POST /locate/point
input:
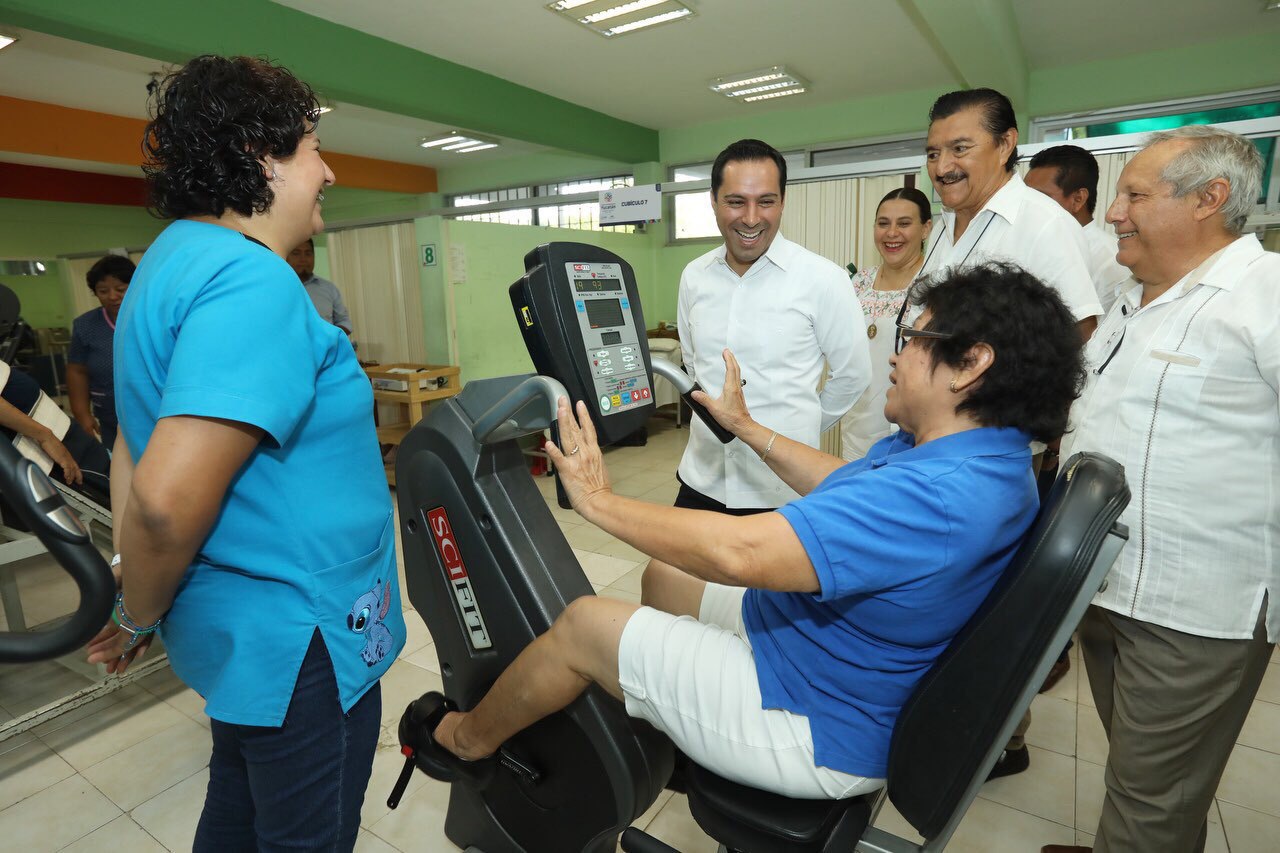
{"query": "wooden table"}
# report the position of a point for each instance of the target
(414, 398)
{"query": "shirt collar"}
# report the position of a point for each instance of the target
(983, 441)
(1006, 203)
(1228, 264)
(780, 253)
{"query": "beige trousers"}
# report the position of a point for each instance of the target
(1173, 705)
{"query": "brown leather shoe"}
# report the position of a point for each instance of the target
(1060, 668)
(1065, 848)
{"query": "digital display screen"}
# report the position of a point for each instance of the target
(604, 312)
(596, 285)
(608, 339)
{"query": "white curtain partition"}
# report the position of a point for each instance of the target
(376, 271)
(836, 219)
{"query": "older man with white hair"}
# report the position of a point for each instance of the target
(1182, 390)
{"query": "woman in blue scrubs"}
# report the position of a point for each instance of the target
(252, 517)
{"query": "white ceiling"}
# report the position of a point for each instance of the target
(656, 78)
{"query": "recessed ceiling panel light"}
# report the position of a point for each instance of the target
(652, 21)
(772, 95)
(458, 142)
(616, 11)
(429, 142)
(6, 40)
(616, 17)
(761, 85)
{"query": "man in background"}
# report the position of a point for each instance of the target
(1068, 174)
(323, 293)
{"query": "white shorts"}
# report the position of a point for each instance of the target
(696, 681)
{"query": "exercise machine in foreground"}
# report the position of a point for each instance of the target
(489, 570)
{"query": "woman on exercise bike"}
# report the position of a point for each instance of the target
(780, 649)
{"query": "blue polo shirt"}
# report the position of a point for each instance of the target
(218, 326)
(907, 542)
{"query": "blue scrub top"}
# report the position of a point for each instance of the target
(907, 542)
(215, 325)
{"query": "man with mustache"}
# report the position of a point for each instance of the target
(990, 214)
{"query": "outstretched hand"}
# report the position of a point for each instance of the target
(578, 459)
(730, 408)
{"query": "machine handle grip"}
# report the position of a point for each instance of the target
(501, 422)
(40, 506)
(685, 386)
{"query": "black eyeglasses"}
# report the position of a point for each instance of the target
(905, 331)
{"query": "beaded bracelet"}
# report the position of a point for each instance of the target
(135, 631)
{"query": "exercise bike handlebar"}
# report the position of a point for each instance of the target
(503, 422)
(685, 386)
(40, 506)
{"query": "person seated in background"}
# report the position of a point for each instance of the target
(778, 650)
(1068, 174)
(324, 293)
(904, 220)
(90, 385)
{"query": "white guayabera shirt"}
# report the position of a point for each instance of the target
(1185, 393)
(790, 313)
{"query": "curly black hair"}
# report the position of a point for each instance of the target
(1039, 366)
(213, 120)
(115, 266)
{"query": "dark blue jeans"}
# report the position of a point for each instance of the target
(299, 786)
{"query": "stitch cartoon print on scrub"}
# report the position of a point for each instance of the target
(362, 620)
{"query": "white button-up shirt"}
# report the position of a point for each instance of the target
(1025, 227)
(792, 311)
(1106, 271)
(1184, 393)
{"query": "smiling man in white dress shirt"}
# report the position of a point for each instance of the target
(785, 312)
(1182, 390)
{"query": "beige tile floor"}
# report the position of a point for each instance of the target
(129, 771)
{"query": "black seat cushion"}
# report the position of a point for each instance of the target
(743, 818)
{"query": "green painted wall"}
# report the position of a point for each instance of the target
(42, 230)
(43, 298)
(342, 204)
(1228, 65)
(45, 229)
(489, 343)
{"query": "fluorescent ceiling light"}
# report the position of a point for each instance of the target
(428, 142)
(734, 83)
(633, 6)
(615, 17)
(459, 142)
(761, 85)
(324, 109)
(783, 94)
(649, 22)
(6, 40)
